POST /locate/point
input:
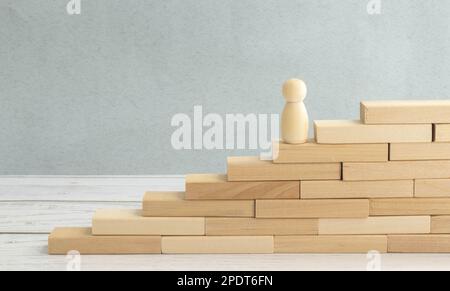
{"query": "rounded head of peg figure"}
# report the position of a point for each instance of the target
(294, 90)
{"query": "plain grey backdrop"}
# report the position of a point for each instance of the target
(94, 93)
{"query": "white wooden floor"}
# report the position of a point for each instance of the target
(30, 207)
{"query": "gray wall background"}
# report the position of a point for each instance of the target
(95, 93)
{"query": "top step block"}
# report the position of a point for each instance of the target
(356, 132)
(312, 152)
(405, 112)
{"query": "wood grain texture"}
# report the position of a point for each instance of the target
(356, 189)
(420, 151)
(429, 188)
(44, 216)
(165, 182)
(74, 193)
(351, 208)
(85, 188)
(442, 132)
(63, 240)
(312, 152)
(251, 226)
(398, 170)
(376, 225)
(355, 132)
(433, 243)
(28, 252)
(407, 112)
(440, 224)
(218, 245)
(131, 222)
(253, 169)
(410, 206)
(173, 204)
(330, 244)
(217, 187)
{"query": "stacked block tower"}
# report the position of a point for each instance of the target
(381, 183)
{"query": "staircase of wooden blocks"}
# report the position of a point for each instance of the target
(382, 183)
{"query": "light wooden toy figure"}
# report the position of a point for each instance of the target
(294, 120)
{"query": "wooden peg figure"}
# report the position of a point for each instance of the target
(294, 120)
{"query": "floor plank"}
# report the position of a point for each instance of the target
(119, 188)
(29, 252)
(42, 216)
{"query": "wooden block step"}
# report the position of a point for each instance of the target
(63, 240)
(218, 245)
(428, 188)
(442, 132)
(216, 187)
(252, 226)
(312, 152)
(355, 132)
(409, 206)
(357, 208)
(433, 243)
(131, 222)
(420, 151)
(331, 244)
(357, 189)
(409, 112)
(376, 225)
(173, 204)
(254, 169)
(401, 170)
(440, 224)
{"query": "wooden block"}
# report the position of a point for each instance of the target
(216, 187)
(330, 244)
(63, 240)
(252, 226)
(420, 151)
(440, 224)
(356, 189)
(218, 245)
(173, 204)
(312, 152)
(355, 132)
(399, 170)
(376, 225)
(407, 112)
(433, 243)
(427, 188)
(442, 132)
(253, 169)
(410, 206)
(131, 222)
(357, 208)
